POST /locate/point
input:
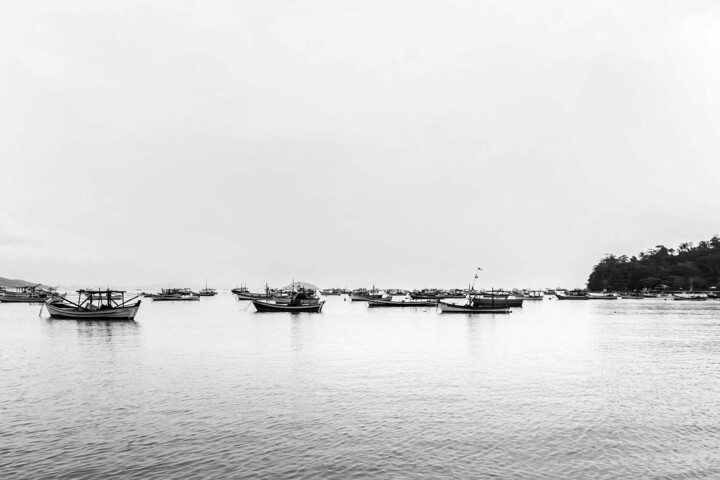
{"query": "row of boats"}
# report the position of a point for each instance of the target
(109, 304)
(679, 296)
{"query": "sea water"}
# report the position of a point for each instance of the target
(211, 389)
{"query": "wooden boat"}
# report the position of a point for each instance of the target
(29, 294)
(363, 294)
(242, 293)
(571, 295)
(94, 305)
(206, 292)
(498, 302)
(265, 306)
(470, 308)
(175, 295)
(386, 302)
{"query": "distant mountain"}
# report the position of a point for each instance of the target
(8, 282)
(305, 285)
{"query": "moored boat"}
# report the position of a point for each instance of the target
(206, 292)
(363, 294)
(94, 305)
(301, 296)
(571, 295)
(175, 295)
(242, 293)
(27, 294)
(385, 302)
(469, 307)
(601, 296)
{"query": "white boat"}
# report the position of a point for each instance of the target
(690, 296)
(94, 305)
(601, 296)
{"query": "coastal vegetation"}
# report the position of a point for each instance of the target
(685, 267)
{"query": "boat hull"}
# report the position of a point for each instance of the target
(74, 313)
(188, 298)
(262, 306)
(452, 308)
(20, 299)
(571, 297)
(359, 297)
(251, 296)
(402, 303)
(498, 302)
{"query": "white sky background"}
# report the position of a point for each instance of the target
(350, 143)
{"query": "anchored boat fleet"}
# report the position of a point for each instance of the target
(110, 304)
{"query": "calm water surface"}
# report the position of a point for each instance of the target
(620, 389)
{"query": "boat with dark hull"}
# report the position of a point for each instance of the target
(469, 307)
(263, 306)
(506, 302)
(94, 305)
(571, 295)
(363, 294)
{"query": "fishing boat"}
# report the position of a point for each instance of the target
(27, 294)
(242, 293)
(384, 302)
(571, 295)
(301, 295)
(264, 306)
(474, 303)
(296, 304)
(206, 292)
(500, 302)
(175, 295)
(94, 305)
(363, 294)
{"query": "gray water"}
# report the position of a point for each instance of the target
(595, 389)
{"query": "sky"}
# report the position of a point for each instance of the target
(351, 143)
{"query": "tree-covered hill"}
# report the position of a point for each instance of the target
(688, 265)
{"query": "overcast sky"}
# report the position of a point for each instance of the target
(350, 143)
